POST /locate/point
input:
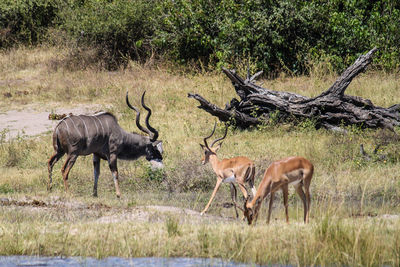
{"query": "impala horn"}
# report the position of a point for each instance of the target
(205, 138)
(222, 138)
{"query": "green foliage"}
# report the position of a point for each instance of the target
(26, 21)
(203, 238)
(15, 153)
(5, 189)
(277, 36)
(172, 225)
(283, 35)
(155, 175)
(308, 124)
(118, 29)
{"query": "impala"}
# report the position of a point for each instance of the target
(102, 136)
(297, 171)
(234, 170)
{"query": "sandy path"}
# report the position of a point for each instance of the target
(30, 121)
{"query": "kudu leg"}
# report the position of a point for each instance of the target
(66, 168)
(96, 172)
(114, 170)
(234, 198)
(300, 192)
(219, 181)
(50, 164)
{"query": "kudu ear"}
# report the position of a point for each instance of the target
(158, 145)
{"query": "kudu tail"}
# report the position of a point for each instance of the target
(56, 140)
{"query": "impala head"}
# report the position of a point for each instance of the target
(153, 147)
(211, 150)
(249, 210)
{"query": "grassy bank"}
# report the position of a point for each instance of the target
(353, 200)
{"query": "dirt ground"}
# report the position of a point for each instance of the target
(62, 209)
(33, 120)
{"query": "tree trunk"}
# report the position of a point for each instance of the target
(330, 109)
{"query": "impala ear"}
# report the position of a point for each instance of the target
(218, 147)
(202, 146)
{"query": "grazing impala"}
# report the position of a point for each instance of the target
(237, 169)
(101, 136)
(297, 171)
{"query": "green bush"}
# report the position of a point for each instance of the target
(279, 35)
(121, 30)
(274, 36)
(26, 21)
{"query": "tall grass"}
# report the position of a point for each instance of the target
(329, 240)
(351, 196)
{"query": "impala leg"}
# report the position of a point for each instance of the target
(96, 167)
(257, 209)
(114, 170)
(271, 200)
(307, 182)
(300, 192)
(285, 191)
(219, 181)
(251, 181)
(50, 164)
(234, 198)
(66, 168)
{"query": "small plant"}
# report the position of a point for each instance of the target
(172, 225)
(14, 156)
(274, 117)
(5, 189)
(204, 239)
(155, 175)
(307, 124)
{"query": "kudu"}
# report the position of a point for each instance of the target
(102, 136)
(234, 170)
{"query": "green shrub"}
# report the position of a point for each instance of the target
(172, 225)
(5, 189)
(120, 30)
(275, 36)
(26, 21)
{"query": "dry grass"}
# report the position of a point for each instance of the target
(351, 196)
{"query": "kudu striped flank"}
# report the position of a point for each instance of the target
(101, 135)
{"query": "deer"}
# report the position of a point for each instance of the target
(101, 135)
(296, 171)
(233, 170)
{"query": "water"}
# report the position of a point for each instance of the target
(30, 261)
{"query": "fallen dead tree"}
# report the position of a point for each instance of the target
(330, 109)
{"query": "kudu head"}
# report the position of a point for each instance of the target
(211, 150)
(153, 147)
